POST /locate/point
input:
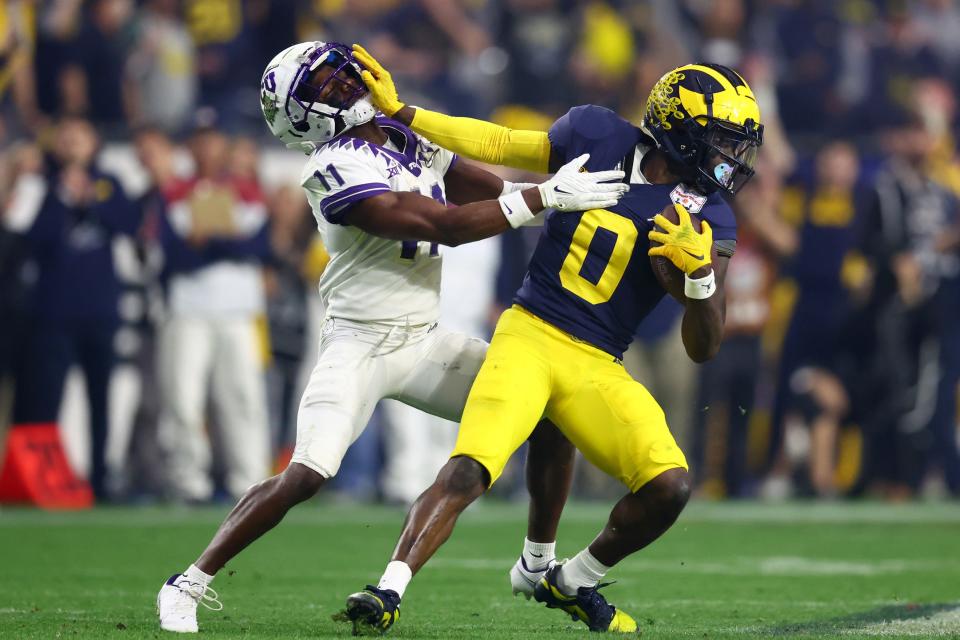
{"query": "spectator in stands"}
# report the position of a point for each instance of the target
(604, 55)
(943, 422)
(77, 289)
(22, 187)
(436, 48)
(939, 22)
(811, 85)
(715, 30)
(155, 153)
(913, 277)
(937, 107)
(17, 51)
(99, 55)
(225, 40)
(244, 160)
(900, 56)
(826, 208)
(538, 38)
(162, 85)
(215, 237)
(56, 25)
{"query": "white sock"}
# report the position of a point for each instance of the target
(583, 571)
(537, 555)
(396, 576)
(194, 575)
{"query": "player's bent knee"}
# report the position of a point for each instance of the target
(463, 476)
(669, 492)
(300, 482)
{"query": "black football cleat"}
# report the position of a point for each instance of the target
(372, 611)
(588, 605)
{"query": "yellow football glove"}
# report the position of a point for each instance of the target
(687, 249)
(379, 82)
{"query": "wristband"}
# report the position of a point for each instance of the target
(700, 288)
(515, 209)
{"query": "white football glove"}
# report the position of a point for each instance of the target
(573, 190)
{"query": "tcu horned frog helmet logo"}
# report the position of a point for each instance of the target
(312, 92)
(268, 104)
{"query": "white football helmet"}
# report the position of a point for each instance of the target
(292, 105)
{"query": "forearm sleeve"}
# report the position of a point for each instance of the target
(485, 141)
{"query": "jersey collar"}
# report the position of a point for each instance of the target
(401, 137)
(636, 176)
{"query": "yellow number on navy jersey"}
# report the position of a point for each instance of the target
(602, 291)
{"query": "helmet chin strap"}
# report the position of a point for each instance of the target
(305, 147)
(362, 111)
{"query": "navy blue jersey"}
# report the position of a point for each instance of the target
(590, 274)
(607, 137)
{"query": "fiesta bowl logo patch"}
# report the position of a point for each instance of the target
(692, 202)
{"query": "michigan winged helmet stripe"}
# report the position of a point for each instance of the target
(699, 112)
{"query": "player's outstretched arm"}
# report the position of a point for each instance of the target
(411, 216)
(466, 182)
(476, 139)
(693, 253)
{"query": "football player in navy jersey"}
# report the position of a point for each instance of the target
(556, 352)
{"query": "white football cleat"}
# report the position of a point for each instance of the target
(523, 580)
(177, 603)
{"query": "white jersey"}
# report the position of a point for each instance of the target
(369, 278)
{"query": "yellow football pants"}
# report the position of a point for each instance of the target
(534, 369)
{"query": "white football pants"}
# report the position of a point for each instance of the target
(220, 354)
(426, 367)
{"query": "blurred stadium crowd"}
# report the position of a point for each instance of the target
(126, 123)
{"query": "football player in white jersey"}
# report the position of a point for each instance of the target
(380, 193)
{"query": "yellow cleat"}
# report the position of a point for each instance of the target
(588, 605)
(622, 623)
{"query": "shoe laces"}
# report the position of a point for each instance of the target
(592, 601)
(200, 594)
(389, 597)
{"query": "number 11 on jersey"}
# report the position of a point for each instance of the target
(408, 248)
(332, 171)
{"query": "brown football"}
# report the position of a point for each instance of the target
(669, 276)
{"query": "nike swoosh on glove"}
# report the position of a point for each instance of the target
(684, 246)
(574, 189)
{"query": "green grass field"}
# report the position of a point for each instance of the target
(724, 571)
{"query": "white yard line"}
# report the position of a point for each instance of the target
(945, 624)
